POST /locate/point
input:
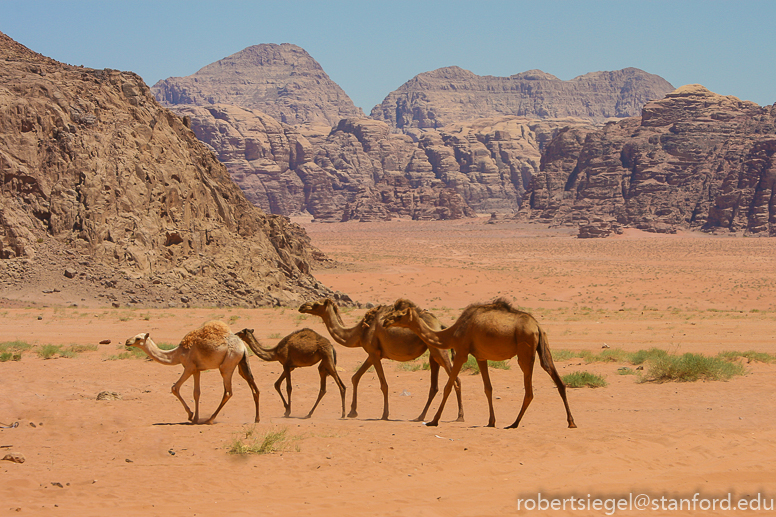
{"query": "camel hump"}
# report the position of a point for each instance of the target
(210, 331)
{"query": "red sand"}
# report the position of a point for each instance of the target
(682, 293)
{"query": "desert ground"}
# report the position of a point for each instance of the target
(689, 292)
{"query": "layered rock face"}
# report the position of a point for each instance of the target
(448, 95)
(282, 81)
(98, 179)
(694, 159)
(361, 170)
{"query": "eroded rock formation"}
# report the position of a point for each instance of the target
(98, 178)
(694, 159)
(448, 95)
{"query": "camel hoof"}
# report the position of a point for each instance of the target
(460, 419)
(308, 416)
(572, 425)
(431, 424)
(352, 414)
(419, 419)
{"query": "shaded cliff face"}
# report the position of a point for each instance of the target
(438, 98)
(100, 180)
(283, 81)
(361, 170)
(694, 159)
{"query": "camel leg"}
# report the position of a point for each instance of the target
(355, 380)
(433, 388)
(456, 369)
(176, 389)
(383, 386)
(278, 383)
(331, 368)
(526, 364)
(226, 373)
(488, 391)
(444, 361)
(197, 392)
(550, 368)
(245, 372)
(321, 392)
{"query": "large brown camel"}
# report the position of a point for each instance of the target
(211, 346)
(495, 332)
(304, 347)
(380, 343)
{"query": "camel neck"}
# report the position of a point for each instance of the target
(344, 336)
(168, 357)
(437, 339)
(265, 354)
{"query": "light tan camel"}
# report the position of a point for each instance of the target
(211, 346)
(381, 343)
(304, 347)
(495, 332)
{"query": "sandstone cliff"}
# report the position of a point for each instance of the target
(448, 95)
(105, 193)
(693, 159)
(361, 170)
(282, 81)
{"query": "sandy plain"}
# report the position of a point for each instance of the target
(683, 293)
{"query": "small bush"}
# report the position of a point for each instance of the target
(643, 356)
(250, 442)
(14, 346)
(609, 355)
(471, 365)
(49, 351)
(77, 349)
(583, 379)
(691, 367)
(749, 355)
(564, 355)
(409, 366)
(10, 356)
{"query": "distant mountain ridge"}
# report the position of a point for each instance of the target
(448, 95)
(282, 81)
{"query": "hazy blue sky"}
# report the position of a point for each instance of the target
(370, 48)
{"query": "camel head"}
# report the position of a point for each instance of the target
(317, 307)
(246, 335)
(138, 341)
(400, 318)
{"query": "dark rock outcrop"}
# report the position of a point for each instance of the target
(283, 81)
(694, 159)
(98, 178)
(448, 95)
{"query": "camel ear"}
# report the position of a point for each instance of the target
(250, 330)
(146, 336)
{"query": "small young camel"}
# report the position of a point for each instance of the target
(301, 348)
(495, 332)
(211, 346)
(380, 343)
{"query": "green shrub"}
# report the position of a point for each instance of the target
(564, 355)
(642, 356)
(251, 442)
(583, 379)
(49, 351)
(691, 367)
(14, 346)
(10, 356)
(471, 364)
(749, 355)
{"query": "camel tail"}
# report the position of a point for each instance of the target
(334, 352)
(545, 356)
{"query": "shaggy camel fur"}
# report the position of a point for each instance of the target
(495, 332)
(301, 348)
(211, 346)
(381, 343)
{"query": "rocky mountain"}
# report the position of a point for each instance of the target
(448, 95)
(694, 159)
(283, 81)
(107, 194)
(362, 170)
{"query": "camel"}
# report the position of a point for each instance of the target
(211, 346)
(495, 332)
(381, 343)
(304, 347)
